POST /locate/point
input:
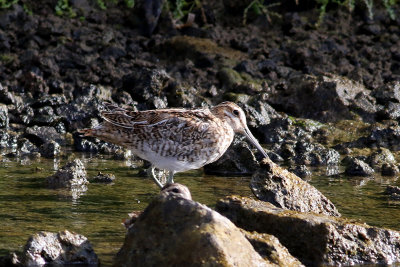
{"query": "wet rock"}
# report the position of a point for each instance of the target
(50, 149)
(285, 190)
(25, 147)
(390, 112)
(258, 113)
(208, 238)
(25, 116)
(393, 192)
(103, 178)
(45, 116)
(237, 160)
(78, 114)
(73, 174)
(357, 167)
(389, 169)
(84, 145)
(146, 86)
(59, 248)
(8, 139)
(44, 134)
(301, 171)
(390, 92)
(315, 239)
(3, 116)
(381, 156)
(315, 154)
(388, 137)
(276, 131)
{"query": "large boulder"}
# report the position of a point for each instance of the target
(315, 239)
(58, 249)
(176, 231)
(285, 190)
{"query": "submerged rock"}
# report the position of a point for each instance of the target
(315, 239)
(176, 231)
(58, 249)
(390, 169)
(50, 149)
(284, 189)
(393, 192)
(73, 174)
(103, 178)
(301, 171)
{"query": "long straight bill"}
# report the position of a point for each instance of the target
(254, 141)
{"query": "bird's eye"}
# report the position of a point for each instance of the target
(236, 112)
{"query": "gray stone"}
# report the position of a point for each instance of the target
(103, 178)
(73, 174)
(284, 189)
(44, 134)
(4, 120)
(58, 249)
(393, 192)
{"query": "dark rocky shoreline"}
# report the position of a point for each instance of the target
(315, 96)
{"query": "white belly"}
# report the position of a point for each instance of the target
(172, 163)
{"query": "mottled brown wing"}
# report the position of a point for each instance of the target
(130, 119)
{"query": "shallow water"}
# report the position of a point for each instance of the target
(27, 206)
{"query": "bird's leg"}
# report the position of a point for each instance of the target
(153, 176)
(171, 177)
